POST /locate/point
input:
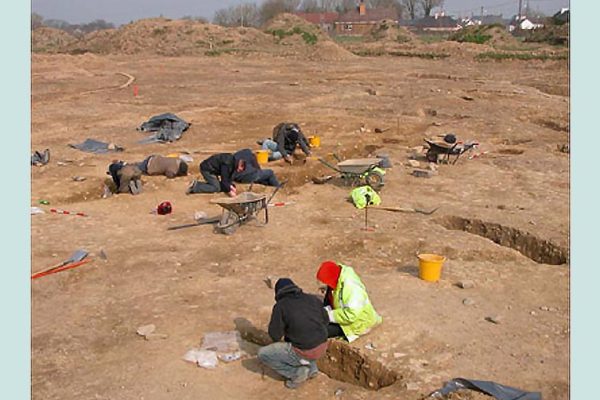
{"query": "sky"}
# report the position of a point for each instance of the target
(124, 11)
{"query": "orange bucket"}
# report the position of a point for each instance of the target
(430, 267)
(262, 156)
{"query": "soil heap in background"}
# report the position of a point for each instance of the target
(388, 31)
(172, 38)
(50, 40)
(300, 38)
(493, 35)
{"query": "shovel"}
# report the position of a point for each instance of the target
(75, 258)
(204, 221)
(406, 209)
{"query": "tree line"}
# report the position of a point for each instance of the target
(74, 29)
(251, 14)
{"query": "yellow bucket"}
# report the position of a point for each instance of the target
(430, 267)
(314, 141)
(173, 155)
(262, 156)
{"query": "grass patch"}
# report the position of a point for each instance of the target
(349, 39)
(432, 38)
(309, 37)
(227, 41)
(159, 31)
(381, 52)
(493, 55)
(428, 55)
(369, 53)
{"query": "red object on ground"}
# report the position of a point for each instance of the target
(164, 208)
(135, 90)
(65, 212)
(59, 269)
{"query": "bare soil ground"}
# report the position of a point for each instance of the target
(192, 281)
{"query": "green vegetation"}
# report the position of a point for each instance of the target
(381, 52)
(349, 38)
(309, 37)
(476, 34)
(402, 38)
(433, 38)
(428, 55)
(498, 56)
(227, 41)
(159, 31)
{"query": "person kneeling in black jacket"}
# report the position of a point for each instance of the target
(302, 322)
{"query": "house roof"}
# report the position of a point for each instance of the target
(439, 22)
(318, 18)
(490, 19)
(371, 15)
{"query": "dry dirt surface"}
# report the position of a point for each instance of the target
(502, 223)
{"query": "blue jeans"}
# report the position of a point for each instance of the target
(269, 144)
(286, 362)
(212, 184)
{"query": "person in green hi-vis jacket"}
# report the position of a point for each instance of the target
(347, 303)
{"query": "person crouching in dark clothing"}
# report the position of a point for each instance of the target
(301, 321)
(217, 171)
(249, 171)
(170, 167)
(127, 177)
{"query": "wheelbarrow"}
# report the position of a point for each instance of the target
(357, 171)
(239, 210)
(442, 151)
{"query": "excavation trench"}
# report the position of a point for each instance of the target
(539, 250)
(342, 362)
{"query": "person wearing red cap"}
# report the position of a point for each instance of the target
(347, 303)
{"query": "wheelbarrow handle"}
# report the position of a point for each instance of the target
(333, 167)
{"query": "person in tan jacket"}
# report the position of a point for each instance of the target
(170, 167)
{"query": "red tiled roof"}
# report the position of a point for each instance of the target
(318, 18)
(371, 15)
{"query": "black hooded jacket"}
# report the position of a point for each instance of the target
(299, 318)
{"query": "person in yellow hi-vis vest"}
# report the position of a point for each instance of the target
(347, 303)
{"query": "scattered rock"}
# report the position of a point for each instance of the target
(436, 123)
(370, 346)
(373, 92)
(468, 98)
(411, 386)
(466, 284)
(146, 330)
(338, 392)
(496, 319)
(533, 313)
(155, 336)
(468, 301)
(78, 178)
(423, 173)
(294, 83)
(399, 355)
(501, 207)
(433, 167)
(414, 163)
(544, 308)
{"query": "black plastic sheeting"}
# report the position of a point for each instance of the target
(494, 389)
(168, 127)
(96, 146)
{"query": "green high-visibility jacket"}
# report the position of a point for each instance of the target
(352, 309)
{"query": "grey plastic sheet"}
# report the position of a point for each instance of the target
(500, 392)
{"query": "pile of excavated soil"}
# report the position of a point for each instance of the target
(492, 35)
(387, 31)
(303, 39)
(172, 38)
(50, 40)
(286, 35)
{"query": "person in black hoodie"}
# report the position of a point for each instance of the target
(221, 165)
(301, 321)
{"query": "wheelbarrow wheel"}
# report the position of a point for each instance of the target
(375, 180)
(228, 223)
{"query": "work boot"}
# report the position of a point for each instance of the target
(190, 187)
(313, 372)
(300, 378)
